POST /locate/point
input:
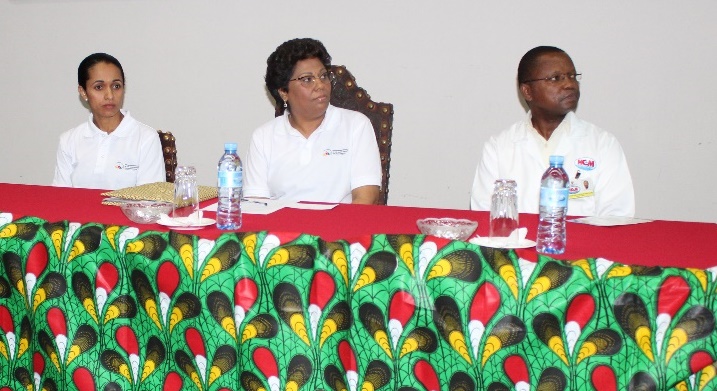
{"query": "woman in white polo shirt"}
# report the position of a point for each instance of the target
(111, 150)
(314, 151)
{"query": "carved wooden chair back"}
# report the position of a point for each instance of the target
(348, 95)
(169, 151)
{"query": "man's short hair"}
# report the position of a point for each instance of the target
(530, 59)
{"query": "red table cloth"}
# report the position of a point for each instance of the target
(663, 243)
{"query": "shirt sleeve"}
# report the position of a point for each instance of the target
(65, 163)
(256, 170)
(366, 161)
(614, 191)
(486, 174)
(151, 166)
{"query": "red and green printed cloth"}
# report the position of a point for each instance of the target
(100, 307)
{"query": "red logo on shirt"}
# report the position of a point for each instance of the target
(329, 152)
(129, 167)
(585, 163)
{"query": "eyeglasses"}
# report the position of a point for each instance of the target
(557, 78)
(308, 81)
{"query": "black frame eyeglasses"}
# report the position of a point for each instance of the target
(309, 80)
(558, 78)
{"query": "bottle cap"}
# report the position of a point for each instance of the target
(556, 159)
(230, 146)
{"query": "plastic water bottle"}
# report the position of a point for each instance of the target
(229, 186)
(554, 184)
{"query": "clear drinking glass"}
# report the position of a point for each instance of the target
(186, 194)
(504, 212)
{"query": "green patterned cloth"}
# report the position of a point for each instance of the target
(95, 307)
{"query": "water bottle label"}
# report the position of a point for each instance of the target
(554, 198)
(230, 179)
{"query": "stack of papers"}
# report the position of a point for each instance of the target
(262, 206)
(609, 221)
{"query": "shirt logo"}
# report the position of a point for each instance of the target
(331, 152)
(585, 163)
(126, 167)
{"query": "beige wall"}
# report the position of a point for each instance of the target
(196, 68)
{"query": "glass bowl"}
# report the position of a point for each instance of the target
(447, 228)
(145, 212)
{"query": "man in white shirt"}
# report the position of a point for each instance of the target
(600, 181)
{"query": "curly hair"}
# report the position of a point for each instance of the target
(280, 64)
(530, 60)
(83, 71)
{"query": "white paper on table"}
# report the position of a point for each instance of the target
(609, 221)
(263, 206)
(297, 205)
(256, 207)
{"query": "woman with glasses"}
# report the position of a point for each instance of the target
(311, 151)
(111, 150)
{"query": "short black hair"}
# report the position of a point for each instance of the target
(530, 60)
(281, 63)
(83, 71)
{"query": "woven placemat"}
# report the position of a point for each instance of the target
(158, 191)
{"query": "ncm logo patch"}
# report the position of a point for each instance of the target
(585, 163)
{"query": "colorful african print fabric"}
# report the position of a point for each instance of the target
(95, 307)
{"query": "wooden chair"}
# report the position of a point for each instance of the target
(169, 151)
(348, 95)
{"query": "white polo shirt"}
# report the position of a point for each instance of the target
(339, 156)
(129, 156)
(600, 181)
